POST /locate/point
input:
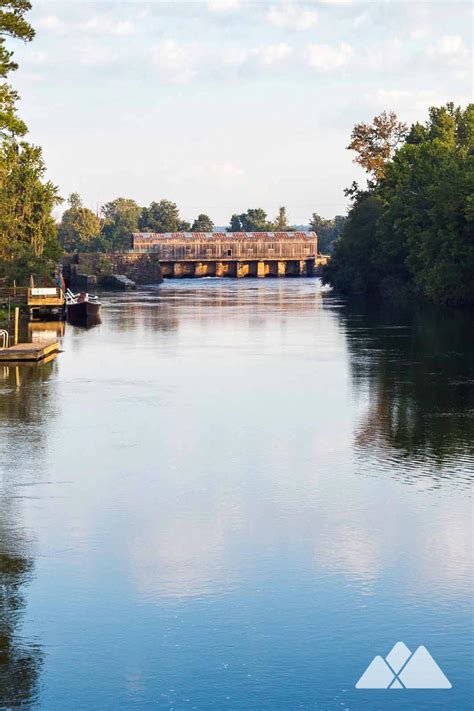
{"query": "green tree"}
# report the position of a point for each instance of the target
(353, 267)
(120, 219)
(328, 231)
(235, 225)
(426, 230)
(254, 220)
(79, 227)
(162, 216)
(28, 239)
(202, 223)
(13, 25)
(281, 221)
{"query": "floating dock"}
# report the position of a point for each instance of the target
(29, 351)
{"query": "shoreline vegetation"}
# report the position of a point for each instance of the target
(410, 231)
(407, 233)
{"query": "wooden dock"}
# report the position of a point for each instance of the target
(29, 351)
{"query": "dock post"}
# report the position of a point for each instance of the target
(15, 332)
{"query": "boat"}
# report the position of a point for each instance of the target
(82, 309)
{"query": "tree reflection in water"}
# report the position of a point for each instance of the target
(24, 409)
(19, 663)
(416, 366)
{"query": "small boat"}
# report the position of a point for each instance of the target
(82, 308)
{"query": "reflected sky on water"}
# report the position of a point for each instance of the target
(232, 495)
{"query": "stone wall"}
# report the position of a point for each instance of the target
(140, 268)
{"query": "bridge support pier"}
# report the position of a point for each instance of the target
(281, 269)
(261, 269)
(242, 269)
(201, 269)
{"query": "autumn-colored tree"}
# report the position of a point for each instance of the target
(376, 143)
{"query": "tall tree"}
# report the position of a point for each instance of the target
(202, 223)
(162, 216)
(121, 217)
(281, 221)
(79, 226)
(376, 143)
(235, 225)
(28, 240)
(254, 220)
(27, 231)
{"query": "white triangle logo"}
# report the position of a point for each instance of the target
(401, 669)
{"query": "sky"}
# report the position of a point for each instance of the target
(222, 105)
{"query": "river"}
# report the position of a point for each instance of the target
(234, 495)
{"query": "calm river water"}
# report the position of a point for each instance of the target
(233, 495)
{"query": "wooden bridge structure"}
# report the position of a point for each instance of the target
(231, 254)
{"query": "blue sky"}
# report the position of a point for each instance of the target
(225, 105)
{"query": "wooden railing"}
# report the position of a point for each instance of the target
(14, 294)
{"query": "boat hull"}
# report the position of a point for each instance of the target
(84, 313)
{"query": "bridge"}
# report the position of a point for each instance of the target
(231, 254)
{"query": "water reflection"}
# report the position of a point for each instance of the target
(416, 368)
(40, 331)
(231, 504)
(25, 408)
(20, 661)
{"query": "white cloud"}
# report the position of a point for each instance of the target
(360, 20)
(36, 57)
(227, 170)
(418, 34)
(105, 26)
(325, 58)
(96, 55)
(450, 48)
(175, 62)
(292, 17)
(235, 55)
(49, 23)
(272, 53)
(223, 6)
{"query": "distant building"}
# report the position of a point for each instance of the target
(230, 253)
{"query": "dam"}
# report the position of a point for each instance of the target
(231, 254)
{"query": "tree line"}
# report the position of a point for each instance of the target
(110, 229)
(410, 230)
(28, 235)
